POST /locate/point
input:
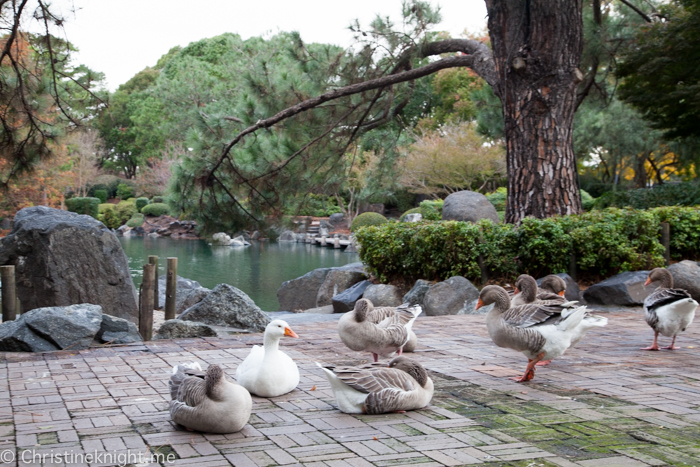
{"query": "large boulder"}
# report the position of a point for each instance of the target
(15, 336)
(624, 289)
(115, 330)
(178, 329)
(686, 275)
(383, 295)
(338, 219)
(345, 301)
(573, 292)
(468, 206)
(287, 236)
(301, 293)
(337, 280)
(63, 258)
(227, 306)
(455, 296)
(416, 295)
(187, 293)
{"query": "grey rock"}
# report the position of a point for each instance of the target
(6, 223)
(15, 336)
(686, 275)
(187, 293)
(115, 330)
(468, 206)
(354, 246)
(138, 230)
(573, 292)
(178, 329)
(287, 236)
(337, 281)
(63, 258)
(227, 306)
(345, 301)
(413, 217)
(255, 235)
(416, 295)
(338, 219)
(324, 224)
(383, 295)
(67, 327)
(454, 296)
(625, 289)
(323, 232)
(301, 293)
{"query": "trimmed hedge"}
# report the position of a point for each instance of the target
(89, 206)
(155, 209)
(603, 242)
(367, 219)
(680, 194)
(102, 195)
(140, 203)
(135, 221)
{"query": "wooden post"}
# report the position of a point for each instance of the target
(666, 241)
(171, 289)
(9, 293)
(146, 304)
(572, 265)
(152, 259)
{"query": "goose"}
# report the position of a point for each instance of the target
(388, 335)
(381, 313)
(209, 402)
(267, 371)
(526, 291)
(538, 331)
(553, 284)
(667, 310)
(375, 388)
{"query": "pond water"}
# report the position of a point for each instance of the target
(258, 269)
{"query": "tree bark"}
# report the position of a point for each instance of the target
(537, 48)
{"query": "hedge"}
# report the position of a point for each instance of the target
(140, 203)
(668, 194)
(156, 209)
(367, 219)
(89, 206)
(603, 242)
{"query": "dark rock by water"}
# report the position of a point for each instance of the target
(227, 306)
(416, 295)
(468, 206)
(115, 330)
(63, 258)
(188, 293)
(345, 301)
(625, 289)
(383, 295)
(179, 329)
(456, 295)
(686, 275)
(301, 293)
(337, 281)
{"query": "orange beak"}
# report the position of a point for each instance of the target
(479, 304)
(288, 332)
(647, 282)
(561, 293)
(516, 291)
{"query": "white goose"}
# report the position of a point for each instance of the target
(667, 310)
(358, 331)
(267, 371)
(375, 388)
(538, 331)
(208, 402)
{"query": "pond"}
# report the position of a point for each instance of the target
(258, 269)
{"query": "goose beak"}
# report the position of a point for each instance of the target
(647, 282)
(479, 304)
(288, 332)
(561, 293)
(516, 291)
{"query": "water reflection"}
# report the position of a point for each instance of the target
(258, 269)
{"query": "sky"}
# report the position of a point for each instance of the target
(122, 37)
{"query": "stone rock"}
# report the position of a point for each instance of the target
(178, 329)
(338, 219)
(255, 235)
(15, 336)
(189, 298)
(227, 306)
(301, 293)
(138, 230)
(337, 280)
(123, 229)
(413, 217)
(67, 327)
(287, 236)
(416, 295)
(573, 292)
(455, 296)
(468, 206)
(383, 295)
(323, 231)
(345, 301)
(354, 246)
(686, 275)
(625, 289)
(6, 223)
(115, 330)
(63, 258)
(183, 289)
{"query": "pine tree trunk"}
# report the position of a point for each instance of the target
(537, 49)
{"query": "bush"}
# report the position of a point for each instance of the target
(110, 218)
(89, 206)
(102, 195)
(498, 198)
(431, 209)
(125, 210)
(685, 234)
(140, 203)
(410, 211)
(366, 219)
(319, 206)
(156, 209)
(681, 194)
(587, 201)
(124, 191)
(158, 199)
(135, 221)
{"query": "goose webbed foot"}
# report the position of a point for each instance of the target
(672, 346)
(530, 370)
(543, 363)
(654, 345)
(376, 357)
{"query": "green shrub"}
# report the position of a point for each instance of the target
(102, 195)
(544, 247)
(156, 209)
(681, 194)
(367, 218)
(158, 199)
(431, 209)
(89, 206)
(587, 201)
(124, 191)
(125, 210)
(685, 230)
(319, 206)
(410, 211)
(102, 207)
(110, 218)
(140, 203)
(135, 221)
(498, 198)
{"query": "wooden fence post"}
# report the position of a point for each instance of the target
(171, 289)
(666, 241)
(146, 304)
(152, 259)
(9, 293)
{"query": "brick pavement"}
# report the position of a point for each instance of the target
(604, 403)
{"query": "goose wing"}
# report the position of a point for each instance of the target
(524, 316)
(661, 297)
(373, 378)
